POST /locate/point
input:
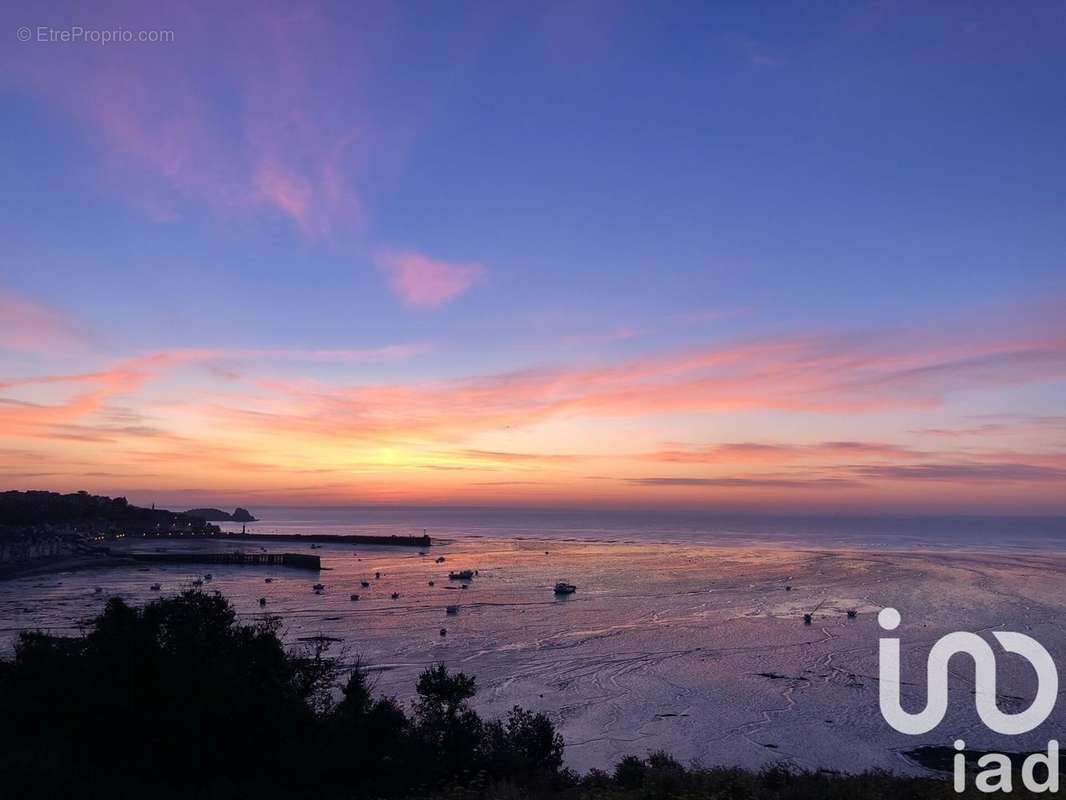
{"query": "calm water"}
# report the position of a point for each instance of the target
(986, 534)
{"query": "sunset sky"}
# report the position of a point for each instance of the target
(792, 257)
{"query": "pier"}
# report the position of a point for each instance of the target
(300, 538)
(297, 560)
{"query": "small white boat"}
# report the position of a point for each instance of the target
(562, 587)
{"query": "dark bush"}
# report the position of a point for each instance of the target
(629, 772)
(526, 745)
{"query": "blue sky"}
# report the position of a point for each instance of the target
(551, 187)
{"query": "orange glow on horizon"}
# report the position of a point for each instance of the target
(780, 423)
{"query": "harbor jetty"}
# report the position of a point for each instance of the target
(297, 560)
(296, 538)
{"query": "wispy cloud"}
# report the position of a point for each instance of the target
(621, 334)
(963, 472)
(30, 327)
(709, 315)
(809, 374)
(957, 433)
(369, 355)
(233, 119)
(748, 482)
(87, 393)
(91, 391)
(424, 282)
(767, 452)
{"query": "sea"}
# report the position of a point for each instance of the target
(981, 533)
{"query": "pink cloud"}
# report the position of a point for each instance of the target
(423, 282)
(233, 117)
(28, 327)
(776, 452)
(94, 389)
(808, 374)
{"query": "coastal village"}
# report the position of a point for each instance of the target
(45, 531)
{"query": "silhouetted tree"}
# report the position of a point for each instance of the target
(371, 738)
(525, 745)
(172, 694)
(449, 732)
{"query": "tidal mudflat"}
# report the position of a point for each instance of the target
(699, 650)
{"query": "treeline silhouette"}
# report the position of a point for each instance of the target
(179, 697)
(179, 700)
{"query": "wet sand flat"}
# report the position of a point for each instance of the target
(698, 650)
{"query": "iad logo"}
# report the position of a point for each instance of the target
(936, 704)
(984, 660)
